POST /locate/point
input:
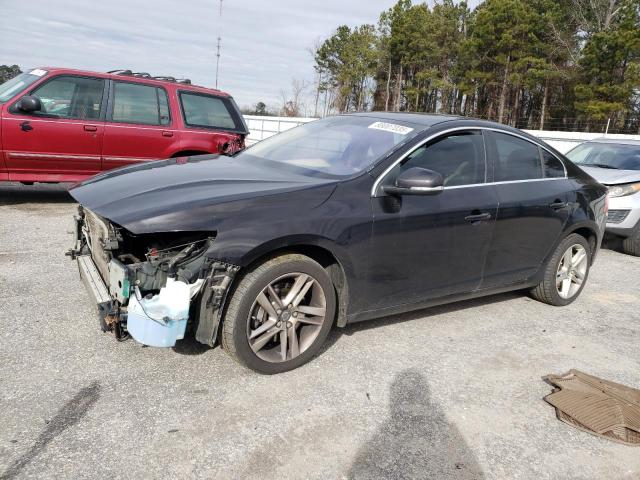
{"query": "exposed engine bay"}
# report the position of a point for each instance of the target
(151, 286)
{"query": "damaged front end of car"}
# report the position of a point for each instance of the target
(151, 286)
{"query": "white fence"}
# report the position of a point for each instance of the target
(264, 127)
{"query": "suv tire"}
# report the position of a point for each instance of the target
(631, 244)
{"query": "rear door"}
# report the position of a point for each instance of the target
(534, 196)
(62, 142)
(139, 125)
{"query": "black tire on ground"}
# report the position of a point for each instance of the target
(234, 328)
(547, 291)
(631, 244)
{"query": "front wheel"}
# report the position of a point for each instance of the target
(280, 314)
(631, 244)
(566, 273)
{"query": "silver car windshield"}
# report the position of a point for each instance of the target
(606, 155)
(338, 146)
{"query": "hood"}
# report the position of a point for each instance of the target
(610, 176)
(194, 193)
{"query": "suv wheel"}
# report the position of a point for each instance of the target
(566, 273)
(631, 244)
(280, 314)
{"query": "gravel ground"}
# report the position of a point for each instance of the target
(449, 392)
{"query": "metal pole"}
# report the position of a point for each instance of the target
(219, 45)
(607, 129)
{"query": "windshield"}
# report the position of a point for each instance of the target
(606, 155)
(336, 146)
(12, 87)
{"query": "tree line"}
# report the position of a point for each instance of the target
(554, 64)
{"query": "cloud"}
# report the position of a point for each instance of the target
(264, 44)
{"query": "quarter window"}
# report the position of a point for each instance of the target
(206, 111)
(135, 103)
(71, 97)
(459, 158)
(553, 167)
(517, 159)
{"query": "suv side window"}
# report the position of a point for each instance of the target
(553, 168)
(205, 111)
(516, 159)
(458, 157)
(137, 103)
(71, 97)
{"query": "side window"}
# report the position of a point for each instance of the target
(517, 159)
(71, 97)
(136, 103)
(459, 158)
(553, 167)
(205, 111)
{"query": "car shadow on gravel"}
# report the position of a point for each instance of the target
(17, 194)
(416, 441)
(354, 328)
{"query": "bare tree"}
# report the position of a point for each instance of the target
(292, 102)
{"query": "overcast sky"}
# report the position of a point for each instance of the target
(264, 43)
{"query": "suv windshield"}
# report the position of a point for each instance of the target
(14, 86)
(336, 146)
(606, 155)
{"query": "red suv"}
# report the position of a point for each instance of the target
(62, 125)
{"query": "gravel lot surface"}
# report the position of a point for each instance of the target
(449, 392)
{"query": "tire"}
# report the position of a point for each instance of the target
(549, 291)
(245, 316)
(631, 244)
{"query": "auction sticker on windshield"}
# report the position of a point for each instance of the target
(391, 127)
(38, 72)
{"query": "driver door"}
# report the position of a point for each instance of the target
(63, 141)
(433, 245)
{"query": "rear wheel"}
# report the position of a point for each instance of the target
(566, 273)
(280, 314)
(631, 244)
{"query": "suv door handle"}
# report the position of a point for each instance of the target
(26, 126)
(167, 133)
(558, 204)
(90, 128)
(478, 217)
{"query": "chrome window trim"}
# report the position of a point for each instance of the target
(376, 184)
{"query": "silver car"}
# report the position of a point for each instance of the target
(616, 164)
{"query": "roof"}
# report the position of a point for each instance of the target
(129, 78)
(424, 119)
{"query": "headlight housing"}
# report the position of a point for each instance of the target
(623, 190)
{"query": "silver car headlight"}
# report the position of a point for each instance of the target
(623, 190)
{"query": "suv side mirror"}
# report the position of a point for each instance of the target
(29, 104)
(416, 181)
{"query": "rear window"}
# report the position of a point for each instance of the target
(517, 159)
(208, 111)
(136, 103)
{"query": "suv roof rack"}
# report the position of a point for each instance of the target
(164, 78)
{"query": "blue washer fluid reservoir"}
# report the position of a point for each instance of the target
(162, 319)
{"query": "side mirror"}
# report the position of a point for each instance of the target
(29, 104)
(416, 181)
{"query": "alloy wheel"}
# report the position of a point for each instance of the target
(286, 317)
(572, 270)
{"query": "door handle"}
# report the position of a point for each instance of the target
(26, 126)
(90, 128)
(558, 204)
(166, 133)
(478, 217)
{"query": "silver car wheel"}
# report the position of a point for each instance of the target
(286, 317)
(572, 270)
